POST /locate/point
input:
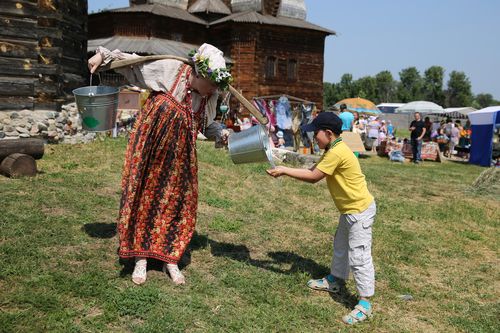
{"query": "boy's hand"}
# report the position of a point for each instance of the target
(276, 172)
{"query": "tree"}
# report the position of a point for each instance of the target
(459, 91)
(411, 86)
(385, 87)
(329, 94)
(433, 85)
(485, 100)
(345, 87)
(365, 87)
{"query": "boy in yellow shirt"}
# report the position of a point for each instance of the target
(353, 239)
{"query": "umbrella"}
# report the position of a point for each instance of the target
(420, 106)
(360, 105)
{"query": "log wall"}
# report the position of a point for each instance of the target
(249, 46)
(43, 48)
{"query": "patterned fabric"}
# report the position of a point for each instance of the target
(160, 179)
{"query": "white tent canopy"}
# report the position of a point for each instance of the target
(420, 106)
(455, 113)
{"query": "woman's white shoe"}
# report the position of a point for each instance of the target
(140, 272)
(175, 274)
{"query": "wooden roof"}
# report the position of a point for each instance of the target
(161, 10)
(255, 17)
(209, 6)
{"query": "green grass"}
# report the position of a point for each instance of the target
(258, 241)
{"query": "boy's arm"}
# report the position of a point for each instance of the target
(312, 175)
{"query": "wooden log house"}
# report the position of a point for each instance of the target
(43, 52)
(273, 49)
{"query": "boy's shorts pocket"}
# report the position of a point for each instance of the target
(358, 255)
(367, 223)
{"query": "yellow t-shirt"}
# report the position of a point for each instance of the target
(345, 180)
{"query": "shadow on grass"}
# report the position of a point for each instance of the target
(242, 253)
(100, 230)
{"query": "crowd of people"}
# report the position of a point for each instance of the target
(453, 137)
(372, 129)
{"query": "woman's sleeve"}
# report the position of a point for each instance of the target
(156, 75)
(211, 108)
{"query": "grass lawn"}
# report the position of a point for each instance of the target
(258, 241)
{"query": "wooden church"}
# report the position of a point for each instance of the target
(271, 47)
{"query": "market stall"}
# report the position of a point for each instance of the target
(430, 150)
(485, 126)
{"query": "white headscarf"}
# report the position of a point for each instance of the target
(214, 55)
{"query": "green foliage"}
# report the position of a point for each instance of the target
(385, 87)
(459, 90)
(433, 85)
(412, 87)
(485, 100)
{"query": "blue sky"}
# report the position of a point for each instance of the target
(377, 35)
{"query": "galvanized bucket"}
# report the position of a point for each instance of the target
(98, 107)
(251, 145)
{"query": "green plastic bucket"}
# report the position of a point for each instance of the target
(98, 107)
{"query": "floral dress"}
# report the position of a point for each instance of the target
(159, 198)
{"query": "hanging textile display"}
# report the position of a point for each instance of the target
(307, 138)
(283, 114)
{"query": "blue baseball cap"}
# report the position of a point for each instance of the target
(325, 121)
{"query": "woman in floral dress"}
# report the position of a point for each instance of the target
(160, 176)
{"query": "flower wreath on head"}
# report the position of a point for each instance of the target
(220, 76)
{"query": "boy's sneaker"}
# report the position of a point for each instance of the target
(328, 283)
(361, 312)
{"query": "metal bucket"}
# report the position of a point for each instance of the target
(98, 107)
(251, 145)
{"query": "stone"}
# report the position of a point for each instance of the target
(59, 125)
(22, 129)
(14, 115)
(1, 126)
(51, 121)
(19, 122)
(2, 135)
(90, 136)
(8, 128)
(41, 126)
(4, 115)
(25, 113)
(7, 121)
(12, 134)
(24, 135)
(52, 134)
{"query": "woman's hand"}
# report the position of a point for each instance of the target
(95, 62)
(277, 172)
